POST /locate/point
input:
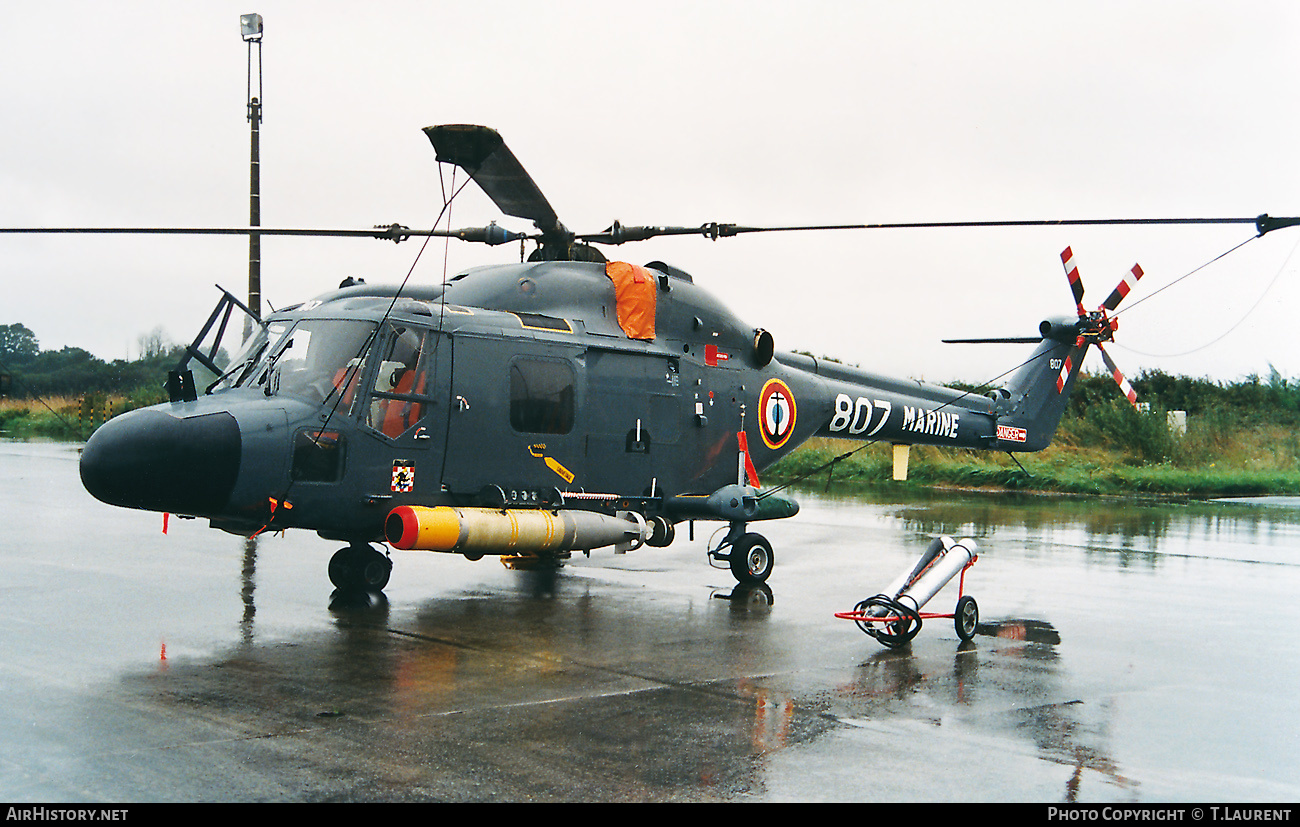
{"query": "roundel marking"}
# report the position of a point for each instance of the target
(776, 413)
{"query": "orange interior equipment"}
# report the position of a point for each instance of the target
(635, 291)
(400, 414)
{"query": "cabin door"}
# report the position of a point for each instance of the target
(631, 420)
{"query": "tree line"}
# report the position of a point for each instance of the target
(1273, 398)
(74, 372)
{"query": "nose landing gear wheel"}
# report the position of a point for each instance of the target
(359, 568)
(966, 618)
(751, 559)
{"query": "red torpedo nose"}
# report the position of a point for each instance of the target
(152, 460)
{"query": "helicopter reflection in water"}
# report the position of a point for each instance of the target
(553, 679)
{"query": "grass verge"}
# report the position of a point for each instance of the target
(1062, 468)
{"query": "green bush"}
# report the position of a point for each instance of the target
(1144, 436)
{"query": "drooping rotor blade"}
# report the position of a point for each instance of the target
(618, 234)
(1015, 340)
(1072, 274)
(480, 151)
(491, 234)
(1122, 289)
(1115, 373)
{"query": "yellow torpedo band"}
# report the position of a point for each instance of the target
(477, 531)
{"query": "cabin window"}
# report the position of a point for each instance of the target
(541, 396)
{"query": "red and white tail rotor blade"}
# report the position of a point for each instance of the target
(1072, 273)
(1066, 367)
(1122, 289)
(1115, 373)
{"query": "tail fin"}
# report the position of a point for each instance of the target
(1035, 399)
(1030, 408)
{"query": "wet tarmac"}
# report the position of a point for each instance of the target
(1125, 653)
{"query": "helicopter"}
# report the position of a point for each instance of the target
(529, 410)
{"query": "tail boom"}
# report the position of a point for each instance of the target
(1022, 417)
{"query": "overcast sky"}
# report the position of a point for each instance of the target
(133, 114)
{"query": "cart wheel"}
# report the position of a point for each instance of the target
(893, 633)
(898, 632)
(966, 617)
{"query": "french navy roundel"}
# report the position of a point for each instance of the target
(776, 413)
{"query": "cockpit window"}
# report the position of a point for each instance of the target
(315, 361)
(402, 382)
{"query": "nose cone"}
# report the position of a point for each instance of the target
(152, 460)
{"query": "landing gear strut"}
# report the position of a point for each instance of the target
(360, 567)
(751, 558)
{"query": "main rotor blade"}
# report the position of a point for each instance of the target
(618, 234)
(1012, 340)
(481, 151)
(491, 234)
(552, 229)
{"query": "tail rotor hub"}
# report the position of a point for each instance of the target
(1097, 327)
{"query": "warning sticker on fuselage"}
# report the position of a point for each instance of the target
(1010, 434)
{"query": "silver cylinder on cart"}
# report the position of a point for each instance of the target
(894, 617)
(943, 560)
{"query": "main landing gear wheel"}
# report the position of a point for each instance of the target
(662, 532)
(360, 568)
(966, 618)
(751, 558)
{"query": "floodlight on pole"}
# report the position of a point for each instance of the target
(250, 27)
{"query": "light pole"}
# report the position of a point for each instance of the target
(250, 26)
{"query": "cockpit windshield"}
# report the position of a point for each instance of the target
(250, 354)
(311, 361)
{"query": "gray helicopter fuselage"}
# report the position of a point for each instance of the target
(510, 386)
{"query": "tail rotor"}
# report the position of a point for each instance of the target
(1097, 327)
(1028, 412)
